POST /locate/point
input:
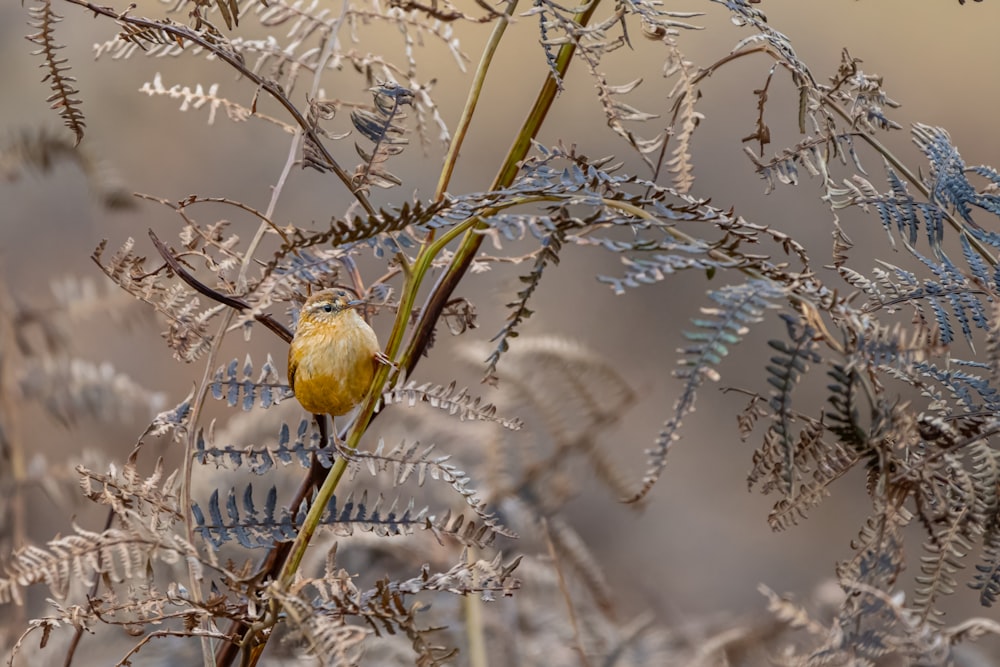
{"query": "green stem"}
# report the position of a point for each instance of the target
(460, 263)
(472, 101)
(413, 279)
(439, 296)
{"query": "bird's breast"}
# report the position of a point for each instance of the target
(335, 366)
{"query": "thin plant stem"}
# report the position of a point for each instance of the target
(198, 401)
(564, 588)
(467, 249)
(869, 139)
(407, 300)
(473, 606)
(184, 33)
(472, 101)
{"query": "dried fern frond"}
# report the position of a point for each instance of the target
(387, 231)
(548, 254)
(385, 607)
(738, 307)
(41, 150)
(44, 18)
(260, 460)
(174, 420)
(685, 119)
(405, 461)
(187, 334)
(116, 554)
(454, 401)
(784, 372)
(71, 389)
(289, 276)
(154, 498)
(200, 97)
(254, 528)
(239, 388)
(381, 127)
(579, 395)
(325, 636)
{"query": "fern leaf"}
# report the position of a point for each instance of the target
(236, 385)
(945, 507)
(75, 559)
(784, 373)
(174, 421)
(62, 99)
(986, 478)
(738, 307)
(187, 334)
(326, 636)
(293, 276)
(253, 528)
(844, 418)
(125, 489)
(455, 402)
(261, 460)
(686, 118)
(407, 461)
(548, 254)
(201, 98)
(646, 271)
(465, 531)
(987, 578)
(381, 128)
(384, 232)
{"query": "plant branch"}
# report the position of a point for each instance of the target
(449, 280)
(184, 33)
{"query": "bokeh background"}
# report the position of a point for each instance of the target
(703, 544)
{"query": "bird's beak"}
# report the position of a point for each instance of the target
(354, 303)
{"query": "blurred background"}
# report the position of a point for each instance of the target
(702, 545)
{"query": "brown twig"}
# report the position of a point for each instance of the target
(233, 302)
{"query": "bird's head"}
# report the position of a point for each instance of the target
(328, 304)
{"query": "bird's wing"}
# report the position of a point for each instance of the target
(293, 365)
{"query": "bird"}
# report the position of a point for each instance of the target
(333, 355)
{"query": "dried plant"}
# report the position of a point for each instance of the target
(462, 500)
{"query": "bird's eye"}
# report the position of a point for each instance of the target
(327, 307)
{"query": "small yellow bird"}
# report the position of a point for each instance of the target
(333, 356)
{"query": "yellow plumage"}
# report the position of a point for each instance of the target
(333, 356)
